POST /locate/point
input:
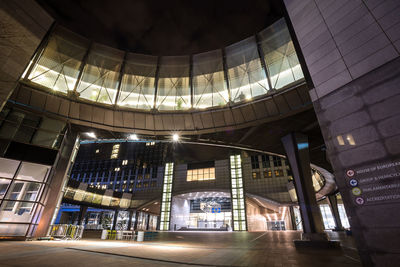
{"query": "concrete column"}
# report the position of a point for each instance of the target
(335, 212)
(296, 147)
(58, 177)
(82, 214)
(130, 219)
(115, 220)
(292, 218)
(136, 221)
(356, 96)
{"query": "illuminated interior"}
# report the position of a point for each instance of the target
(254, 67)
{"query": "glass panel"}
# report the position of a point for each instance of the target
(247, 78)
(32, 172)
(88, 197)
(106, 201)
(48, 133)
(173, 91)
(343, 216)
(137, 88)
(58, 66)
(97, 199)
(4, 183)
(69, 193)
(280, 56)
(100, 76)
(23, 191)
(10, 127)
(209, 86)
(13, 229)
(15, 209)
(327, 217)
(8, 167)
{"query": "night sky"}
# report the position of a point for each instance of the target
(169, 27)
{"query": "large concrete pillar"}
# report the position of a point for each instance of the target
(114, 226)
(131, 212)
(57, 180)
(292, 218)
(82, 215)
(352, 52)
(296, 148)
(335, 212)
(23, 26)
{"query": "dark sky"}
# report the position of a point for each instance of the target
(168, 27)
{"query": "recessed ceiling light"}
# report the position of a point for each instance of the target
(91, 134)
(133, 137)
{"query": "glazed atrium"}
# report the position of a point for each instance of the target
(173, 133)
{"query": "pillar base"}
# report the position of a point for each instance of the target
(315, 240)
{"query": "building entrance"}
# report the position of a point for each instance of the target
(202, 211)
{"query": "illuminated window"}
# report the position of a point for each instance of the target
(166, 197)
(97, 151)
(267, 174)
(150, 143)
(238, 203)
(201, 174)
(125, 162)
(117, 169)
(256, 175)
(114, 152)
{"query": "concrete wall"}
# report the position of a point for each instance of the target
(255, 221)
(351, 49)
(221, 182)
(23, 24)
(274, 188)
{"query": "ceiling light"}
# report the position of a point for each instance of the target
(133, 137)
(91, 134)
(175, 137)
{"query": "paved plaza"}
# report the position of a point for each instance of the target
(181, 249)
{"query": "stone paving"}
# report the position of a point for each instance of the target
(181, 249)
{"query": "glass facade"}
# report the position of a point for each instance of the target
(69, 65)
(173, 91)
(237, 192)
(247, 78)
(137, 85)
(21, 201)
(28, 128)
(166, 197)
(100, 76)
(59, 63)
(280, 56)
(209, 86)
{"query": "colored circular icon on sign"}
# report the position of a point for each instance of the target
(356, 191)
(353, 182)
(350, 173)
(359, 200)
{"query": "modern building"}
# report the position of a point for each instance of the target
(121, 186)
(228, 137)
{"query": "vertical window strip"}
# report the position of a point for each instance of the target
(166, 196)
(237, 194)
